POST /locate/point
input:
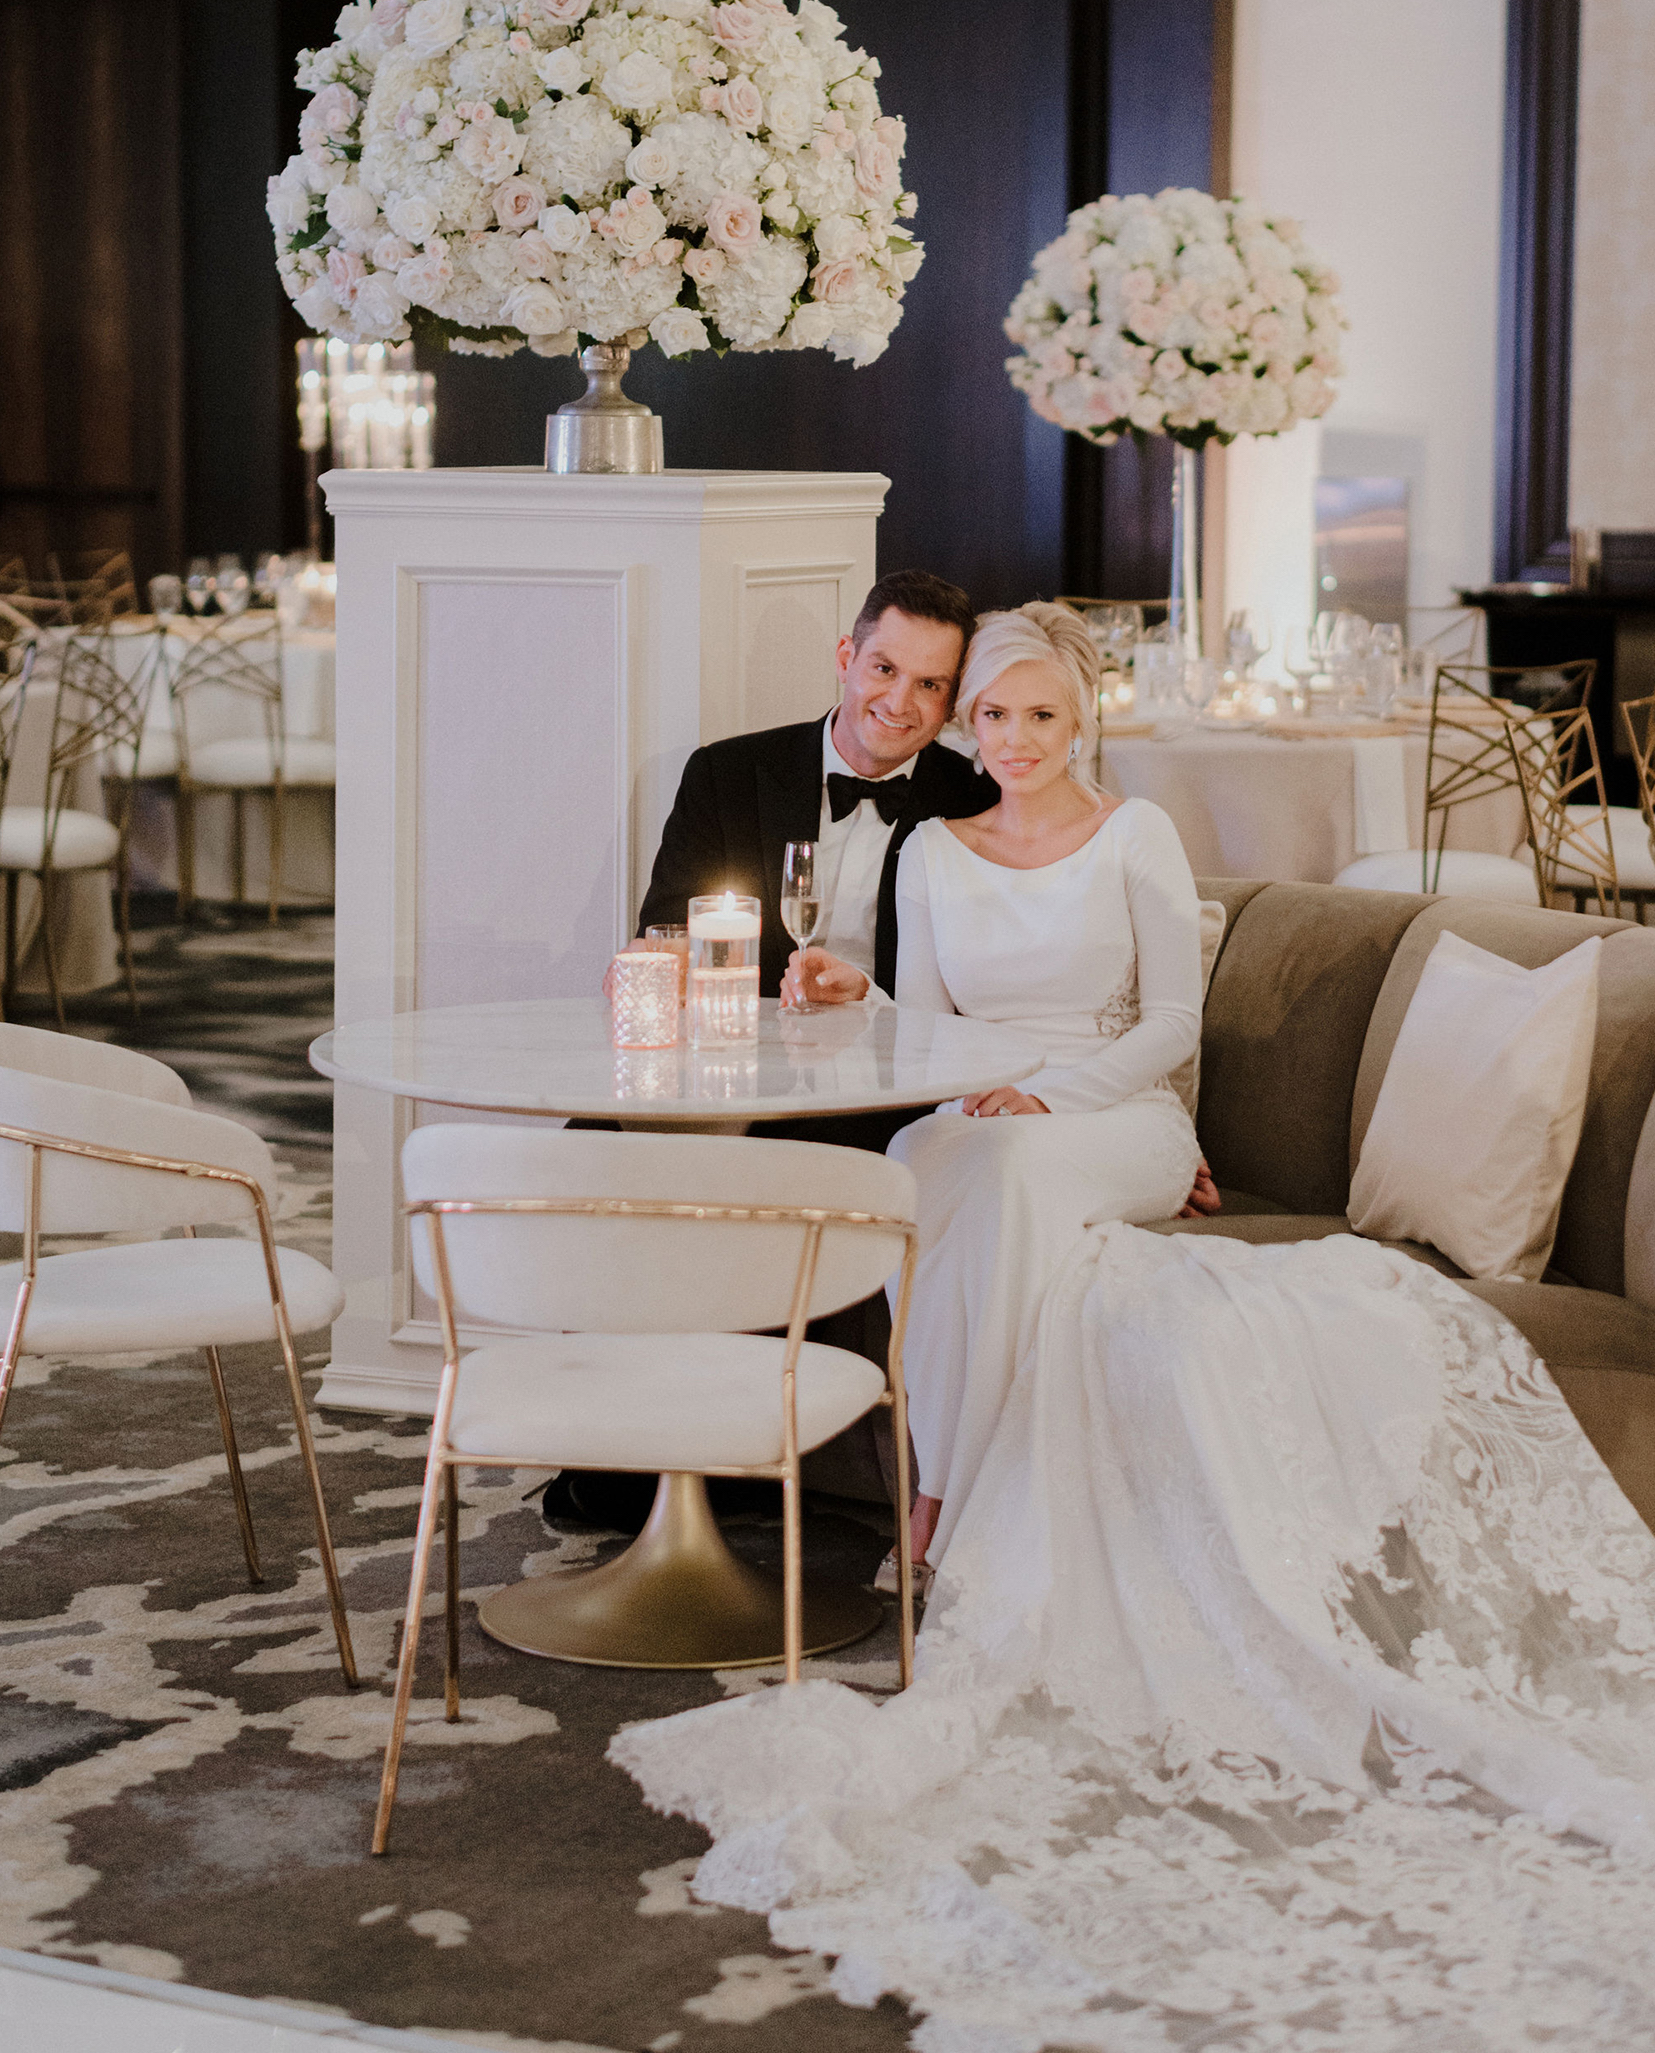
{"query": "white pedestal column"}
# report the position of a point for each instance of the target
(525, 662)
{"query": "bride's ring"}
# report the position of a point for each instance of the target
(1004, 1112)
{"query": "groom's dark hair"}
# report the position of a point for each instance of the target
(922, 595)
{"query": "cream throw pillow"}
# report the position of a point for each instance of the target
(1479, 1115)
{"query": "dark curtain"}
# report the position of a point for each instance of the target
(90, 414)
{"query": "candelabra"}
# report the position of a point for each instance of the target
(380, 412)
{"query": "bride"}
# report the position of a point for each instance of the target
(1289, 1679)
(1072, 917)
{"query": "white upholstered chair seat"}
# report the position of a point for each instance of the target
(652, 1400)
(1628, 841)
(167, 1294)
(84, 841)
(157, 756)
(1465, 873)
(249, 762)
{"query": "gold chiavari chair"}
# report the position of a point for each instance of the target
(230, 720)
(97, 719)
(643, 1268)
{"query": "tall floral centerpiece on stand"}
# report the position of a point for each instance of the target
(1178, 315)
(564, 174)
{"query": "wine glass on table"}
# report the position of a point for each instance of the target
(198, 584)
(232, 585)
(801, 901)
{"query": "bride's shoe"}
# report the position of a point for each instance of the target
(888, 1581)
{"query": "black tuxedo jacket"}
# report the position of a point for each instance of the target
(741, 801)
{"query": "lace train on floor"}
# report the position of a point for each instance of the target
(1289, 1684)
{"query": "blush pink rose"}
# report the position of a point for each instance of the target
(743, 103)
(704, 265)
(490, 150)
(390, 251)
(835, 283)
(424, 278)
(568, 12)
(876, 173)
(735, 223)
(534, 255)
(346, 271)
(333, 109)
(739, 27)
(517, 203)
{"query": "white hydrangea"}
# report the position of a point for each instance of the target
(435, 128)
(1179, 314)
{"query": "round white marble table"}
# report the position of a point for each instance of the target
(677, 1598)
(553, 1057)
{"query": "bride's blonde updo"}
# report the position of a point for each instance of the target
(1038, 633)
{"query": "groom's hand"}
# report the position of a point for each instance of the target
(1203, 1201)
(814, 977)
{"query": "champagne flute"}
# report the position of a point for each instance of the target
(801, 901)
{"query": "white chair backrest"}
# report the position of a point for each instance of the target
(83, 1196)
(100, 1063)
(608, 1275)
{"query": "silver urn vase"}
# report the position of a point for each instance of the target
(603, 430)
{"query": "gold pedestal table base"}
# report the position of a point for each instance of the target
(677, 1598)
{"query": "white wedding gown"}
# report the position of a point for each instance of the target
(1288, 1687)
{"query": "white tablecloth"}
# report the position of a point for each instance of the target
(1255, 805)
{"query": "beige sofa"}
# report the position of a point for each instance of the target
(1306, 998)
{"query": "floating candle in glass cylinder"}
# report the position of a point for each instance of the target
(724, 969)
(643, 1001)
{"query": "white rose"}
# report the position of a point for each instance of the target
(738, 27)
(564, 229)
(413, 215)
(378, 305)
(561, 71)
(537, 310)
(811, 325)
(390, 251)
(425, 277)
(288, 208)
(678, 331)
(490, 150)
(317, 306)
(788, 117)
(838, 236)
(651, 162)
(638, 81)
(638, 228)
(431, 26)
(743, 103)
(876, 172)
(349, 207)
(534, 255)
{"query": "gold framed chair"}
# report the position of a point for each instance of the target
(82, 575)
(644, 1267)
(97, 718)
(230, 722)
(1555, 753)
(97, 1139)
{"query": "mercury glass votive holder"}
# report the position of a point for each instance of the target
(643, 1001)
(724, 969)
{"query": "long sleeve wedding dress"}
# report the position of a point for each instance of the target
(1288, 1685)
(1096, 958)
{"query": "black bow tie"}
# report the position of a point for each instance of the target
(890, 795)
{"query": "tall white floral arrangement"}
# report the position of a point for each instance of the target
(1180, 315)
(557, 172)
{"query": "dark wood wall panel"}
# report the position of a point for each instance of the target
(90, 415)
(1144, 99)
(1531, 510)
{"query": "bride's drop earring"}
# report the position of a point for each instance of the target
(1074, 750)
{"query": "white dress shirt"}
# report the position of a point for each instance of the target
(850, 857)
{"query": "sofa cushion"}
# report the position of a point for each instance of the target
(1592, 1227)
(1283, 1033)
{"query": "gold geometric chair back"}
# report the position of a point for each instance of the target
(17, 662)
(1468, 754)
(1565, 804)
(227, 695)
(97, 720)
(1639, 715)
(98, 582)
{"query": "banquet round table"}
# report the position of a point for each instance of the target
(1300, 808)
(677, 1597)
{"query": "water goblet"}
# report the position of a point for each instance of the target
(198, 584)
(801, 900)
(166, 598)
(231, 585)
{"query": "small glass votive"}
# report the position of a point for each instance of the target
(671, 940)
(643, 1001)
(724, 969)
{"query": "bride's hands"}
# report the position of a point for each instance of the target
(814, 977)
(989, 1104)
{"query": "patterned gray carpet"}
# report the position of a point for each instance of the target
(185, 1784)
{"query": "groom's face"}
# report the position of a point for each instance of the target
(895, 691)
